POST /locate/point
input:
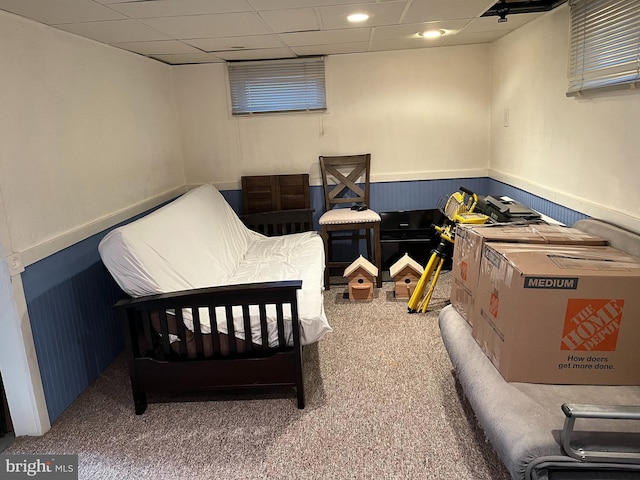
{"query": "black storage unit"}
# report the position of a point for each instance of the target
(411, 232)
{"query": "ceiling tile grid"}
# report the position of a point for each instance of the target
(212, 31)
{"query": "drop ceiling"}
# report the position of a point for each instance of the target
(210, 31)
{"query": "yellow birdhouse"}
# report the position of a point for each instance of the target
(406, 273)
(361, 275)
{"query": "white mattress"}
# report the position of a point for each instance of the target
(198, 241)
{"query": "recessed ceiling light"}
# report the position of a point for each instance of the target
(432, 33)
(358, 17)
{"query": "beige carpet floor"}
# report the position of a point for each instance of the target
(382, 403)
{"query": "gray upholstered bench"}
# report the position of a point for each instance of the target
(525, 421)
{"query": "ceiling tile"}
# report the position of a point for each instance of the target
(262, 54)
(332, 49)
(436, 10)
(282, 4)
(326, 37)
(115, 31)
(166, 8)
(404, 43)
(207, 26)
(158, 47)
(60, 11)
(397, 32)
(187, 31)
(379, 14)
(474, 38)
(249, 42)
(185, 58)
(291, 20)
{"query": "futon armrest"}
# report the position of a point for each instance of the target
(280, 222)
(607, 412)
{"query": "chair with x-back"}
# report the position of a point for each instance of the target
(346, 195)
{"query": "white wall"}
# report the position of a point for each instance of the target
(422, 114)
(88, 136)
(86, 130)
(580, 152)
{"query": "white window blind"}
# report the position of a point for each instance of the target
(605, 45)
(267, 86)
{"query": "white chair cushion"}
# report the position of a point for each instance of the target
(346, 215)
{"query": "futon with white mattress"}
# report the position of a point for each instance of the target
(200, 279)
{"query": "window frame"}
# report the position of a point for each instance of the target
(265, 87)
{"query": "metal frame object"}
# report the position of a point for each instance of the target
(610, 412)
(458, 209)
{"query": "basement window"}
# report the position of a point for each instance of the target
(605, 45)
(270, 86)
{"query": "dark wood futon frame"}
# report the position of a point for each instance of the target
(210, 361)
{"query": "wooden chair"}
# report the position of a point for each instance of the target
(277, 204)
(346, 186)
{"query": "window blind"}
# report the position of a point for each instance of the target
(267, 86)
(605, 45)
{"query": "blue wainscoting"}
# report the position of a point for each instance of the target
(76, 333)
(70, 297)
(70, 294)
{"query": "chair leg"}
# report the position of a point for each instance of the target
(326, 239)
(377, 253)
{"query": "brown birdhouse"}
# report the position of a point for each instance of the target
(361, 274)
(406, 273)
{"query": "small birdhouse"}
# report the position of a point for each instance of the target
(406, 273)
(361, 274)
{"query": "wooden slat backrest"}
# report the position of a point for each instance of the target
(342, 177)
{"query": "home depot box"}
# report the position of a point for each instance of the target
(468, 248)
(559, 314)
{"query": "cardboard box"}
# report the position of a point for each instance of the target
(468, 249)
(559, 314)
